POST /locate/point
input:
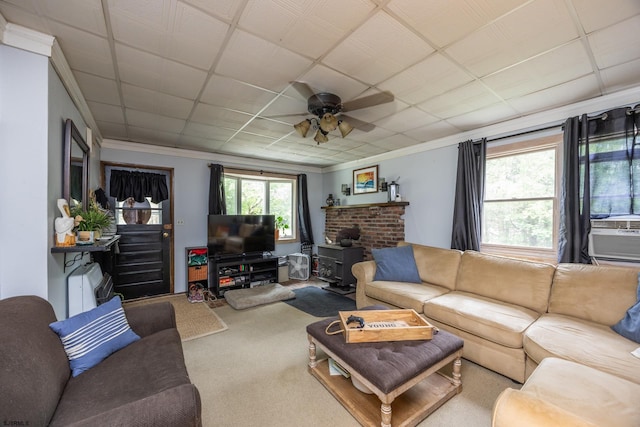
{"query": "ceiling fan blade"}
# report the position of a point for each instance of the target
(303, 89)
(368, 101)
(358, 124)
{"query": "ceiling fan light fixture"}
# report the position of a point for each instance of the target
(320, 137)
(303, 127)
(328, 122)
(345, 128)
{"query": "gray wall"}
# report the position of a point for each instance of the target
(191, 200)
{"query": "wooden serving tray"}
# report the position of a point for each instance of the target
(386, 325)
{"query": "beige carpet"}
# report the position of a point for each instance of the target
(194, 320)
(256, 375)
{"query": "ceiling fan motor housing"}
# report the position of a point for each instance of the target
(321, 103)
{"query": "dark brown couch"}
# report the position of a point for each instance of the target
(144, 384)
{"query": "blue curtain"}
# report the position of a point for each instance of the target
(467, 211)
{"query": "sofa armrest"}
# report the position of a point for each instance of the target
(364, 272)
(178, 406)
(517, 408)
(151, 318)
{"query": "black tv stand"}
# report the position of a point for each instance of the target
(237, 272)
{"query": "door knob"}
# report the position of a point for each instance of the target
(165, 234)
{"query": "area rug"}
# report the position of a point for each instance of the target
(260, 295)
(319, 302)
(193, 320)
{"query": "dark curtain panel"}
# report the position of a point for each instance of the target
(574, 211)
(217, 203)
(304, 216)
(125, 184)
(467, 210)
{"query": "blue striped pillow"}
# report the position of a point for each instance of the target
(90, 337)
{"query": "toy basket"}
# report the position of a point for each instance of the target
(198, 272)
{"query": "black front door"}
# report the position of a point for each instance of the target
(143, 264)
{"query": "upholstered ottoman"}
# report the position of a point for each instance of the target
(564, 393)
(400, 371)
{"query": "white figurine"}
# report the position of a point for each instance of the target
(64, 225)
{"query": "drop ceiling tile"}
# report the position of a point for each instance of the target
(462, 100)
(372, 54)
(433, 76)
(112, 130)
(235, 95)
(323, 79)
(97, 89)
(433, 131)
(155, 102)
(86, 15)
(373, 135)
(541, 72)
(395, 142)
(259, 62)
(180, 33)
(202, 131)
(223, 9)
(621, 76)
(25, 14)
(84, 51)
(407, 119)
(144, 13)
(534, 28)
(367, 150)
(106, 113)
(201, 144)
(269, 128)
(154, 121)
(308, 28)
(217, 116)
(152, 136)
(159, 74)
(595, 15)
(484, 117)
(287, 110)
(445, 21)
(564, 94)
(612, 45)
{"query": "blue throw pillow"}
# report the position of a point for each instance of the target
(90, 337)
(396, 264)
(629, 326)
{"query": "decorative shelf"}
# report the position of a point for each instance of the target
(96, 249)
(368, 205)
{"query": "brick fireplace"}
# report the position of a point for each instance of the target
(381, 224)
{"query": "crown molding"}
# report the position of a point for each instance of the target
(227, 160)
(24, 38)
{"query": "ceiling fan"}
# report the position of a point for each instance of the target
(328, 110)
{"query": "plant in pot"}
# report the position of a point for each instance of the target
(90, 222)
(281, 226)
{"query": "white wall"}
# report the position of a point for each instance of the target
(191, 199)
(427, 182)
(24, 210)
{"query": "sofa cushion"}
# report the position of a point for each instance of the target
(593, 395)
(629, 325)
(589, 343)
(396, 264)
(145, 368)
(510, 280)
(34, 368)
(404, 295)
(91, 336)
(437, 266)
(492, 320)
(600, 294)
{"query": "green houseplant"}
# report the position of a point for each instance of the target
(281, 226)
(91, 220)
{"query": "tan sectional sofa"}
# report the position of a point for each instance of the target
(513, 313)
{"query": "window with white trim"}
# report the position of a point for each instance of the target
(520, 214)
(262, 193)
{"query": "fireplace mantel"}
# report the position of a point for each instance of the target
(368, 205)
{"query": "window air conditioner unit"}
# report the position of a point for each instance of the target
(615, 238)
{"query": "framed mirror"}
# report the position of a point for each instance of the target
(75, 171)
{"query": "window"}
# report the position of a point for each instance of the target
(520, 214)
(259, 193)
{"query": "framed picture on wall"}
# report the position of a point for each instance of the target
(365, 180)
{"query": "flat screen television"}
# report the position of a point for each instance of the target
(240, 235)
